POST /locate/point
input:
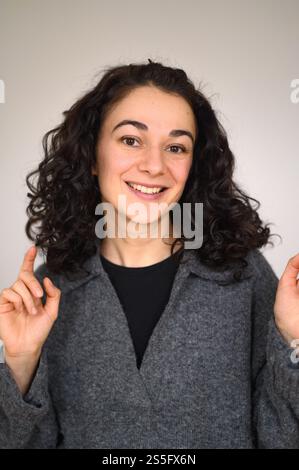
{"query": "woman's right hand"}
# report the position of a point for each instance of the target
(22, 331)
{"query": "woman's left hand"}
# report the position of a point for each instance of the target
(286, 307)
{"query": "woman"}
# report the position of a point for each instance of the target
(138, 342)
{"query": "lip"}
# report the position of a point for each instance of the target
(146, 196)
(147, 185)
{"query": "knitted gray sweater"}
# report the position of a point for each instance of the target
(216, 372)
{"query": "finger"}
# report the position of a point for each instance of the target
(6, 308)
(24, 292)
(3, 300)
(31, 283)
(29, 258)
(53, 297)
(11, 296)
(289, 276)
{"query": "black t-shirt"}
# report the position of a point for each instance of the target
(144, 293)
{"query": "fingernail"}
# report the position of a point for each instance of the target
(34, 311)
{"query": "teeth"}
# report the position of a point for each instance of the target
(143, 189)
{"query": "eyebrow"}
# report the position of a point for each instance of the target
(143, 127)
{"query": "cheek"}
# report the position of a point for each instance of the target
(180, 171)
(114, 164)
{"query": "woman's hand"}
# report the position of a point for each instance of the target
(23, 331)
(286, 307)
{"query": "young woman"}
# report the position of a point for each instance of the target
(139, 342)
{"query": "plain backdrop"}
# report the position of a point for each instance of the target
(244, 53)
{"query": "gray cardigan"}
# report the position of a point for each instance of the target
(216, 372)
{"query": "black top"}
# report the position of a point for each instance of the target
(143, 293)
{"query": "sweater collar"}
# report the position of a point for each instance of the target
(190, 263)
(197, 267)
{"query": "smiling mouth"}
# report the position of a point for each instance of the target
(144, 189)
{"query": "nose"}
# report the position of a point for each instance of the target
(152, 161)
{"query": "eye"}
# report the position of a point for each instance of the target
(183, 150)
(123, 139)
(128, 138)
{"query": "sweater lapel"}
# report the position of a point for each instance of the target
(145, 379)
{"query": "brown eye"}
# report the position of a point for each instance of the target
(129, 139)
(183, 150)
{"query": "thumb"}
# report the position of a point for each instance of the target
(53, 297)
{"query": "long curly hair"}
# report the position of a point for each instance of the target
(64, 197)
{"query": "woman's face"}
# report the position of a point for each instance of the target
(145, 153)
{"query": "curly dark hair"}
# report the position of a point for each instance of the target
(66, 193)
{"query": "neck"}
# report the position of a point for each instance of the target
(138, 252)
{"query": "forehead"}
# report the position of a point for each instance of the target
(156, 108)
